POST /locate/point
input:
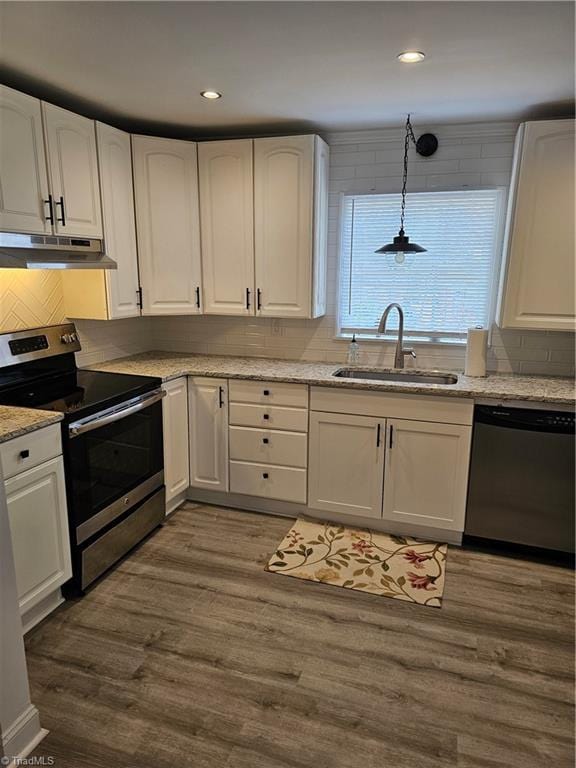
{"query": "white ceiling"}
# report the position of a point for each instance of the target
(291, 65)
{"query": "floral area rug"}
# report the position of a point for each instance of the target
(358, 558)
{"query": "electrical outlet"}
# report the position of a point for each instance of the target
(277, 329)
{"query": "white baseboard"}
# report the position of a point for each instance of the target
(288, 509)
(23, 736)
(173, 504)
(44, 608)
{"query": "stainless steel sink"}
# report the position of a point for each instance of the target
(414, 377)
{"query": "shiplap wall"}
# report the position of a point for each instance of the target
(470, 155)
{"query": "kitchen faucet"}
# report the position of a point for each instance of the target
(400, 351)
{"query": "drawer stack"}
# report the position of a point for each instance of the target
(268, 439)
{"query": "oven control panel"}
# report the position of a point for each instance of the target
(27, 345)
(35, 343)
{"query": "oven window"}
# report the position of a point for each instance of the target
(110, 461)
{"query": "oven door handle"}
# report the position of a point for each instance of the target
(80, 427)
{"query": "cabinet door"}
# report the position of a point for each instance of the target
(539, 284)
(175, 427)
(227, 226)
(115, 161)
(168, 225)
(23, 177)
(426, 476)
(39, 527)
(346, 464)
(283, 222)
(209, 433)
(73, 169)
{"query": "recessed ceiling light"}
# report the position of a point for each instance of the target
(411, 57)
(211, 94)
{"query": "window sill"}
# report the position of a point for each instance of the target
(432, 341)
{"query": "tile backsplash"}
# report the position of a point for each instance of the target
(30, 298)
(469, 155)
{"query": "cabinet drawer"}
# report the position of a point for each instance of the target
(268, 446)
(269, 393)
(271, 417)
(29, 450)
(271, 482)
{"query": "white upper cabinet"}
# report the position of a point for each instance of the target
(426, 475)
(24, 202)
(73, 172)
(227, 225)
(538, 278)
(168, 226)
(115, 162)
(290, 243)
(112, 293)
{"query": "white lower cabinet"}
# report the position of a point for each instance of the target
(426, 474)
(400, 470)
(39, 527)
(269, 446)
(175, 427)
(269, 481)
(346, 464)
(208, 409)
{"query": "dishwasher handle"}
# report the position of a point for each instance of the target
(556, 422)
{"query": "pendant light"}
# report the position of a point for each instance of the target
(426, 145)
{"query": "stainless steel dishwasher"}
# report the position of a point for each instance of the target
(521, 487)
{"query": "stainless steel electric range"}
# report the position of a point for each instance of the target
(111, 438)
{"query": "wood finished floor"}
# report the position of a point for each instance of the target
(191, 655)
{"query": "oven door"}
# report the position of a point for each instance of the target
(115, 460)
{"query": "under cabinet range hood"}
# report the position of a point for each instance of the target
(20, 251)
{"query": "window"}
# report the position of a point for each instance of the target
(444, 291)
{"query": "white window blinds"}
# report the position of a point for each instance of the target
(444, 291)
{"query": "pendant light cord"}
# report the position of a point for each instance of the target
(407, 139)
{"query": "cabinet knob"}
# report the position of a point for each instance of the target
(265, 440)
(266, 416)
(24, 454)
(265, 475)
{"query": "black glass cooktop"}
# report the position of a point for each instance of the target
(75, 393)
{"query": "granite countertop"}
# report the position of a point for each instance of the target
(18, 421)
(169, 365)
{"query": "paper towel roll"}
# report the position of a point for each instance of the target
(476, 352)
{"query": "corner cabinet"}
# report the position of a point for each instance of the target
(168, 225)
(290, 225)
(114, 293)
(208, 409)
(537, 289)
(175, 428)
(227, 223)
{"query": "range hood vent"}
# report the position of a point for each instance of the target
(20, 251)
